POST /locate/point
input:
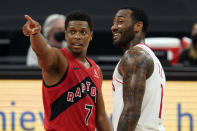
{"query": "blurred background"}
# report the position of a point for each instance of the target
(170, 20)
(169, 35)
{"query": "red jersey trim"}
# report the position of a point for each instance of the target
(144, 44)
(118, 80)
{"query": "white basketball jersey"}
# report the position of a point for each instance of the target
(151, 117)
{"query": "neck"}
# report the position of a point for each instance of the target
(138, 38)
(80, 56)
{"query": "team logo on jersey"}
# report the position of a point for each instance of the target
(72, 96)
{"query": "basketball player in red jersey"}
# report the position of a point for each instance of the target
(72, 95)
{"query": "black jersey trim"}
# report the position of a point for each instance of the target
(61, 80)
(61, 103)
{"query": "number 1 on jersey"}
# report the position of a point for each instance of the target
(161, 104)
(89, 108)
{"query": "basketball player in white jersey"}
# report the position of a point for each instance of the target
(138, 79)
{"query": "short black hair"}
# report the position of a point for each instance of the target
(78, 15)
(139, 15)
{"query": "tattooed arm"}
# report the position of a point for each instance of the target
(135, 69)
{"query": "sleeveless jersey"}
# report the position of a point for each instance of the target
(70, 105)
(151, 117)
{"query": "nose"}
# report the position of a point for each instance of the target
(77, 36)
(114, 28)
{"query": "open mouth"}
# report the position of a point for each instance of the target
(76, 45)
(116, 36)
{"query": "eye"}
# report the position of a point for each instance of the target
(72, 32)
(120, 22)
(83, 32)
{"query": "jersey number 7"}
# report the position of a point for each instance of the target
(89, 108)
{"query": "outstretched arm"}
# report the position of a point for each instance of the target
(102, 121)
(47, 56)
(133, 68)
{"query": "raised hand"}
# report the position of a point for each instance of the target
(31, 27)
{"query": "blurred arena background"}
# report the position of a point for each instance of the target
(21, 105)
(20, 86)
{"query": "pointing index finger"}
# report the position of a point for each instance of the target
(29, 19)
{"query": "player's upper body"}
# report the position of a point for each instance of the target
(71, 103)
(58, 71)
(151, 116)
(138, 79)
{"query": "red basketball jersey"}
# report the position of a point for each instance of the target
(70, 105)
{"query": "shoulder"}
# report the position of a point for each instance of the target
(100, 71)
(136, 59)
(135, 56)
(93, 63)
(95, 66)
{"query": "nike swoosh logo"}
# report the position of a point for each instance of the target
(76, 68)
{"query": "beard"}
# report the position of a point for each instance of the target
(125, 38)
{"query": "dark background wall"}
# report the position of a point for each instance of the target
(167, 18)
(165, 15)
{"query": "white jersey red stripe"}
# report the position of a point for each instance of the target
(151, 117)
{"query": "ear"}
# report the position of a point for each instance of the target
(91, 33)
(138, 27)
(65, 34)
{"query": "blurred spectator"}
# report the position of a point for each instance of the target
(189, 56)
(53, 31)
